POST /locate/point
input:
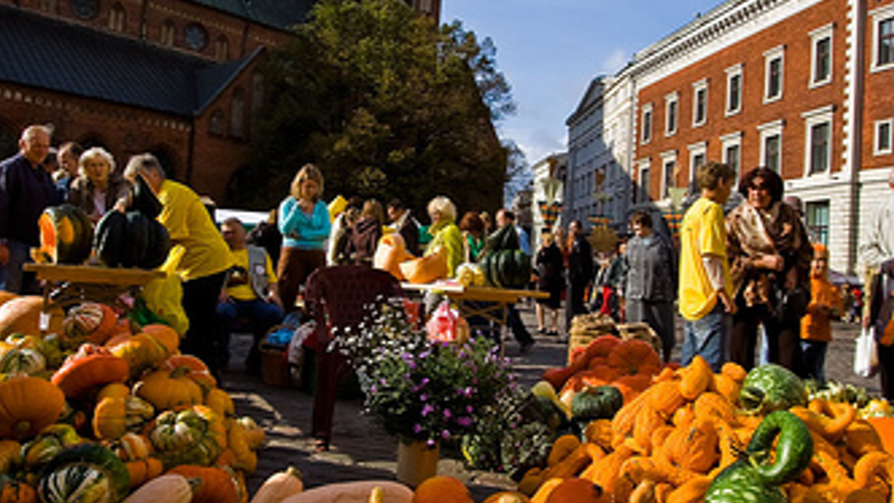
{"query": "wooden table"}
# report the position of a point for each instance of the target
(487, 302)
(69, 284)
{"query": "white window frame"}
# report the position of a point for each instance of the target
(732, 72)
(879, 15)
(672, 98)
(643, 165)
(669, 156)
(816, 36)
(695, 150)
(728, 141)
(773, 54)
(646, 133)
(768, 130)
(697, 87)
(813, 118)
(876, 145)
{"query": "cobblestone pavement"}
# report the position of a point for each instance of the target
(363, 451)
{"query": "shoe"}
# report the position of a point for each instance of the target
(552, 333)
(321, 445)
(542, 331)
(525, 348)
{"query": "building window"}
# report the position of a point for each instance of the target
(671, 104)
(85, 9)
(221, 49)
(818, 151)
(731, 153)
(818, 221)
(216, 123)
(237, 114)
(196, 36)
(883, 137)
(885, 44)
(734, 89)
(821, 56)
(699, 103)
(668, 175)
(644, 183)
(48, 5)
(773, 70)
(647, 124)
(117, 18)
(771, 145)
(168, 33)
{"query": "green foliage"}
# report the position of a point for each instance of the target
(386, 104)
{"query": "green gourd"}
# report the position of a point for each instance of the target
(769, 388)
(596, 402)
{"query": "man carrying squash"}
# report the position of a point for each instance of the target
(250, 291)
(205, 261)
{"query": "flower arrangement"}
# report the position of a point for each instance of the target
(420, 389)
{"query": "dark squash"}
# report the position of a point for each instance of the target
(144, 200)
(66, 234)
(131, 240)
(111, 232)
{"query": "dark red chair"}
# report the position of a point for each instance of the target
(338, 297)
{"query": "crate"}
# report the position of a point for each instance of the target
(643, 332)
(585, 328)
(275, 366)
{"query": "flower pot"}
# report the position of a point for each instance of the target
(416, 462)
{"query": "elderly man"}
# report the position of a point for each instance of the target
(26, 189)
(205, 261)
(250, 292)
(877, 254)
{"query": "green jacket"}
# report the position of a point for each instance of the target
(448, 235)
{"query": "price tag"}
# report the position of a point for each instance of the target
(44, 323)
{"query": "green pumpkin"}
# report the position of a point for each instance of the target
(596, 402)
(110, 237)
(85, 473)
(507, 268)
(66, 234)
(22, 361)
(770, 387)
(759, 476)
(184, 438)
(131, 240)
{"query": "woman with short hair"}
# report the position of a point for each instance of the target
(98, 187)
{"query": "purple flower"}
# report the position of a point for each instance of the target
(447, 414)
(423, 397)
(427, 409)
(464, 421)
(469, 409)
(445, 435)
(374, 389)
(430, 443)
(417, 428)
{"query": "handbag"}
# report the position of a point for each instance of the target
(866, 354)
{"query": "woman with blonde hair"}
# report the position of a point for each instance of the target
(304, 224)
(445, 233)
(98, 187)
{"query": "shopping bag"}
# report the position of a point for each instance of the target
(866, 354)
(447, 325)
(164, 296)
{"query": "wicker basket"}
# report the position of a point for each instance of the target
(643, 332)
(275, 366)
(586, 327)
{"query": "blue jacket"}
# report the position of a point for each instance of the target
(25, 191)
(303, 231)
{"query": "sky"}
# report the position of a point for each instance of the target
(550, 50)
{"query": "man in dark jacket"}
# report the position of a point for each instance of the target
(404, 223)
(580, 271)
(26, 189)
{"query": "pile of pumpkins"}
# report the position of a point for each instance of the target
(695, 435)
(103, 411)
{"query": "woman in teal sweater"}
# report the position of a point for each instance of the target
(305, 226)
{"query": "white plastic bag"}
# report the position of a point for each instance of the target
(866, 354)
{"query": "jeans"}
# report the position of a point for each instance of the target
(16, 280)
(707, 337)
(814, 359)
(261, 315)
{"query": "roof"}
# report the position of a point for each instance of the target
(276, 13)
(54, 55)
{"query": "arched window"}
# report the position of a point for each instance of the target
(49, 5)
(117, 18)
(257, 92)
(168, 33)
(216, 123)
(221, 48)
(237, 114)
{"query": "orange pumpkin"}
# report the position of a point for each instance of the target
(165, 335)
(442, 489)
(193, 368)
(28, 405)
(6, 297)
(14, 491)
(576, 490)
(22, 315)
(390, 252)
(91, 366)
(884, 426)
(634, 357)
(211, 485)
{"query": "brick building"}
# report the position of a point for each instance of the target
(800, 86)
(177, 78)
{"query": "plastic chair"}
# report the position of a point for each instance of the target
(337, 297)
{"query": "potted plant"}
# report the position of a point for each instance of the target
(426, 392)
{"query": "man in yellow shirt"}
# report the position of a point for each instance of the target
(206, 259)
(250, 292)
(705, 294)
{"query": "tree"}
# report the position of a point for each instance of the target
(386, 104)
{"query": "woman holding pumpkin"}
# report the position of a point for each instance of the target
(305, 226)
(770, 257)
(445, 234)
(98, 187)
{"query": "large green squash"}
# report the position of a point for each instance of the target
(770, 387)
(66, 234)
(131, 240)
(507, 268)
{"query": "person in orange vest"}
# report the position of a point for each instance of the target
(816, 325)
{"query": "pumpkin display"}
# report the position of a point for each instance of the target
(89, 471)
(442, 488)
(771, 387)
(359, 492)
(167, 389)
(210, 484)
(22, 315)
(28, 405)
(90, 367)
(66, 234)
(506, 268)
(390, 253)
(141, 352)
(164, 335)
(22, 361)
(193, 368)
(10, 456)
(48, 443)
(279, 486)
(16, 491)
(192, 436)
(169, 488)
(131, 240)
(114, 416)
(426, 269)
(90, 320)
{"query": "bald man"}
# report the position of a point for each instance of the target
(26, 189)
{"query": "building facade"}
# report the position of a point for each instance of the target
(547, 194)
(799, 86)
(180, 79)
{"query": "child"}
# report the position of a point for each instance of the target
(816, 325)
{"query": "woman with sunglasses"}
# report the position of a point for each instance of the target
(770, 256)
